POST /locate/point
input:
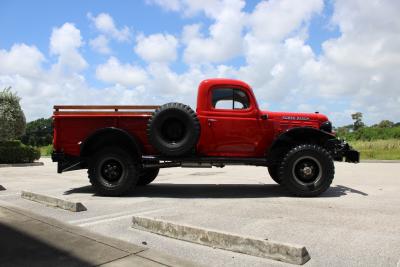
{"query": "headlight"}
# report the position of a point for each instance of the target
(326, 126)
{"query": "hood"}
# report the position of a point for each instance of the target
(296, 116)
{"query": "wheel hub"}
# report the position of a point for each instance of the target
(111, 170)
(173, 130)
(307, 170)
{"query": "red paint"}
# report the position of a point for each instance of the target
(224, 132)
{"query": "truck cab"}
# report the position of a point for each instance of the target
(233, 125)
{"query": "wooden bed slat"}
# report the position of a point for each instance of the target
(102, 107)
(103, 112)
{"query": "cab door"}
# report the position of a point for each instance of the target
(233, 126)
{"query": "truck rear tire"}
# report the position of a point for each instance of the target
(174, 129)
(147, 176)
(307, 170)
(113, 172)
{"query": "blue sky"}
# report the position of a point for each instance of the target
(31, 22)
(294, 53)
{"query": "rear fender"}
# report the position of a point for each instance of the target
(110, 136)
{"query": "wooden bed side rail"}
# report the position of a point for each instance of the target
(103, 107)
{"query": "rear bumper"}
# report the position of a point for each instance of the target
(67, 163)
(57, 156)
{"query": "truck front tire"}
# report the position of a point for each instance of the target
(307, 170)
(113, 172)
(273, 171)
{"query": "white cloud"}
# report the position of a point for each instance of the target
(191, 32)
(362, 64)
(22, 59)
(274, 20)
(157, 47)
(189, 7)
(39, 94)
(100, 44)
(40, 88)
(224, 40)
(105, 24)
(170, 5)
(125, 74)
(275, 49)
(65, 42)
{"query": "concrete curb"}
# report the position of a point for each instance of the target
(289, 253)
(22, 164)
(55, 202)
(2, 188)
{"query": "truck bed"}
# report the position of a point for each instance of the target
(73, 124)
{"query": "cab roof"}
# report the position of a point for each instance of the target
(206, 85)
(222, 81)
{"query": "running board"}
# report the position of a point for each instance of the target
(199, 162)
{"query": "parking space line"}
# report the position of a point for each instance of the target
(8, 195)
(99, 217)
(106, 215)
(119, 217)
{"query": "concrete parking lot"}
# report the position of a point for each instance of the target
(355, 223)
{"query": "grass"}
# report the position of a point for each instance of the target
(46, 150)
(378, 149)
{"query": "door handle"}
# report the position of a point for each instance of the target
(210, 121)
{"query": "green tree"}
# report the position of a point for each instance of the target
(386, 124)
(12, 118)
(38, 132)
(358, 123)
(344, 131)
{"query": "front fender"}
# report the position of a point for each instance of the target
(307, 135)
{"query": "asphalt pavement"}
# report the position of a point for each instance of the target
(355, 223)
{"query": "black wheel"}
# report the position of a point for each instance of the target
(147, 176)
(307, 170)
(273, 171)
(113, 172)
(174, 129)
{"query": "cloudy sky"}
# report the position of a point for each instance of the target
(332, 56)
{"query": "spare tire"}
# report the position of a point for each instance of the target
(173, 129)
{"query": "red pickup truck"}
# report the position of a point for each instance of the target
(125, 146)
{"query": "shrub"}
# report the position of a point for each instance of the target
(12, 118)
(16, 152)
(371, 133)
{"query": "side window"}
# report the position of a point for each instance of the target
(227, 98)
(222, 98)
(240, 100)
